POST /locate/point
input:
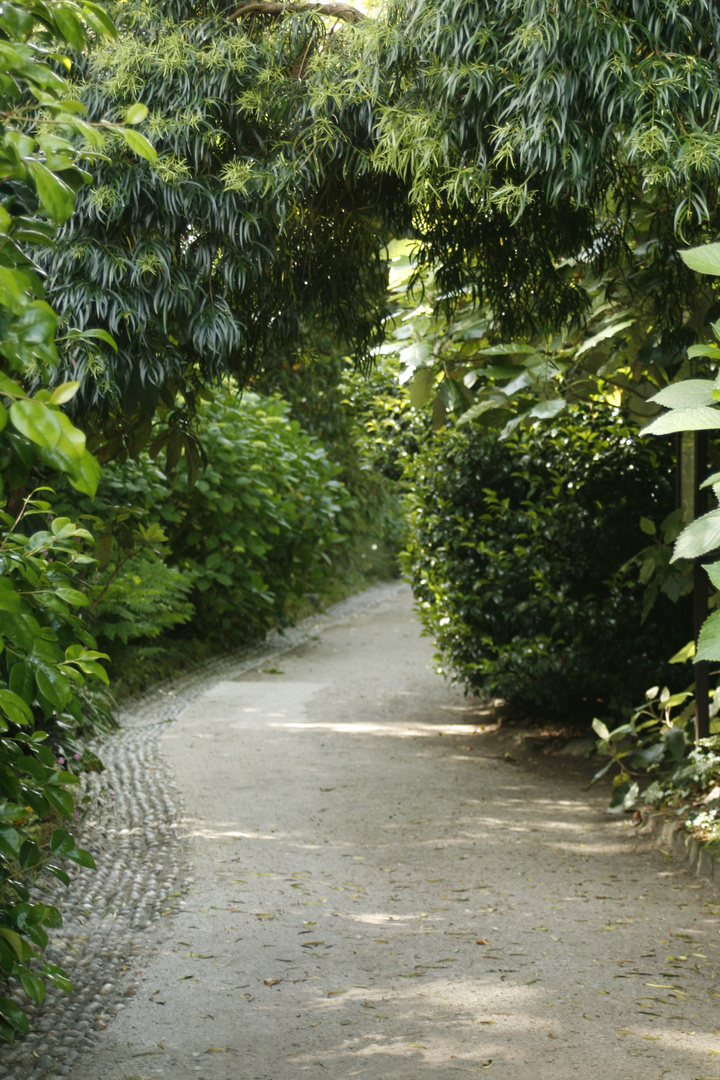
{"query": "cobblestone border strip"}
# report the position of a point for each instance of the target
(670, 834)
(113, 915)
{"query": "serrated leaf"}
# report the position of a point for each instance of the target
(689, 394)
(708, 645)
(699, 537)
(700, 419)
(704, 259)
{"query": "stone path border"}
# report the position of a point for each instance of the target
(113, 915)
(670, 834)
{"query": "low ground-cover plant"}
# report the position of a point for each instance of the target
(657, 763)
(514, 558)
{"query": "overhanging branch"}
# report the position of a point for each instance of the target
(275, 7)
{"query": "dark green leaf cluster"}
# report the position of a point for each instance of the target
(528, 131)
(257, 214)
(515, 554)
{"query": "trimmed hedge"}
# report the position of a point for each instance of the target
(515, 556)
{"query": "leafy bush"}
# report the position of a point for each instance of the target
(515, 554)
(140, 599)
(259, 527)
(50, 672)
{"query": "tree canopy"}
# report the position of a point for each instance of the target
(527, 148)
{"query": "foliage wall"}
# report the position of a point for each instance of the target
(515, 555)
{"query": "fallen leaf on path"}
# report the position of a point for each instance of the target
(333, 993)
(272, 982)
(221, 1050)
(482, 941)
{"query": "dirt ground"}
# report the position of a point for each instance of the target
(385, 888)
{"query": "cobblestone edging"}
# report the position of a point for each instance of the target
(113, 915)
(670, 834)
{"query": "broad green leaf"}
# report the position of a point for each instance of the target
(14, 941)
(704, 350)
(9, 599)
(603, 335)
(138, 143)
(51, 971)
(689, 394)
(34, 988)
(61, 800)
(48, 427)
(546, 410)
(99, 19)
(699, 537)
(601, 729)
(648, 526)
(72, 596)
(15, 708)
(513, 349)
(54, 686)
(421, 387)
(700, 419)
(704, 259)
(10, 841)
(93, 335)
(14, 1015)
(710, 481)
(15, 292)
(136, 113)
(708, 645)
(54, 194)
(69, 26)
(85, 476)
(65, 392)
(8, 386)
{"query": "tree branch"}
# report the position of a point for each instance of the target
(276, 7)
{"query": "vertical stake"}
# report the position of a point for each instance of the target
(700, 593)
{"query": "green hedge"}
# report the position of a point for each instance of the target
(514, 558)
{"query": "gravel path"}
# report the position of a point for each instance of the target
(384, 888)
(113, 915)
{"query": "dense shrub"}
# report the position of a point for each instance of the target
(514, 558)
(51, 699)
(257, 530)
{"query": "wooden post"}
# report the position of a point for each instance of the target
(700, 592)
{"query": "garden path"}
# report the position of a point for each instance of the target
(381, 892)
